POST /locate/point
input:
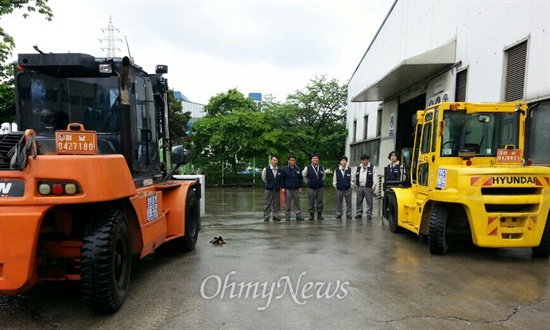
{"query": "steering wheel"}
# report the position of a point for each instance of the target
(451, 142)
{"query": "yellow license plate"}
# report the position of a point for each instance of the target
(76, 142)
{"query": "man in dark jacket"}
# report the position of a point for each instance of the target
(271, 175)
(342, 182)
(394, 175)
(394, 171)
(314, 175)
(292, 187)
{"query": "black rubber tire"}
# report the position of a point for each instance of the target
(385, 204)
(392, 214)
(437, 237)
(106, 262)
(192, 214)
(543, 250)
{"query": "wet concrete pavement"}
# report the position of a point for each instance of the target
(309, 274)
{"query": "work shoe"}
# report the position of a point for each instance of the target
(348, 217)
(287, 218)
(299, 218)
(276, 219)
(320, 216)
(266, 219)
(357, 217)
(338, 217)
(369, 217)
(311, 216)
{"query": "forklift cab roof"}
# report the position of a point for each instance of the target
(61, 65)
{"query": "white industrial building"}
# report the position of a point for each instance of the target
(428, 51)
(196, 109)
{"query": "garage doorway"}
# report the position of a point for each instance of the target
(405, 131)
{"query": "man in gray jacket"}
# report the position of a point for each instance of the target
(365, 180)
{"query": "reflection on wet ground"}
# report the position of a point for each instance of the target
(393, 276)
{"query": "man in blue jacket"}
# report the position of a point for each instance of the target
(342, 182)
(314, 175)
(292, 187)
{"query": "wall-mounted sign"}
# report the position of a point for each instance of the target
(392, 124)
(439, 87)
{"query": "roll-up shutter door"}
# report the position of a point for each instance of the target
(515, 72)
(461, 79)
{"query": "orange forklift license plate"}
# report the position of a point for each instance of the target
(76, 142)
(509, 156)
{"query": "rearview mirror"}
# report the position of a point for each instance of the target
(179, 155)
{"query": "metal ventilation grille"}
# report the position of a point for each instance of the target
(7, 142)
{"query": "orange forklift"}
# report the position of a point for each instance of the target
(87, 183)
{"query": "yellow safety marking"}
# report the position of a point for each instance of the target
(532, 224)
(543, 181)
(492, 226)
(479, 181)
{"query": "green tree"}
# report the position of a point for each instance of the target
(314, 120)
(232, 132)
(179, 120)
(7, 97)
(225, 103)
(7, 44)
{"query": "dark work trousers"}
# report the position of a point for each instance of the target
(292, 196)
(315, 196)
(272, 204)
(341, 194)
(364, 193)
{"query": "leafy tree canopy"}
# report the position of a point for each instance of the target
(179, 120)
(314, 120)
(7, 44)
(225, 103)
(7, 98)
(234, 135)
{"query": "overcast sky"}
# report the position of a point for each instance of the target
(270, 47)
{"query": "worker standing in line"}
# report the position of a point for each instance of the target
(342, 182)
(365, 181)
(271, 175)
(291, 183)
(314, 176)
